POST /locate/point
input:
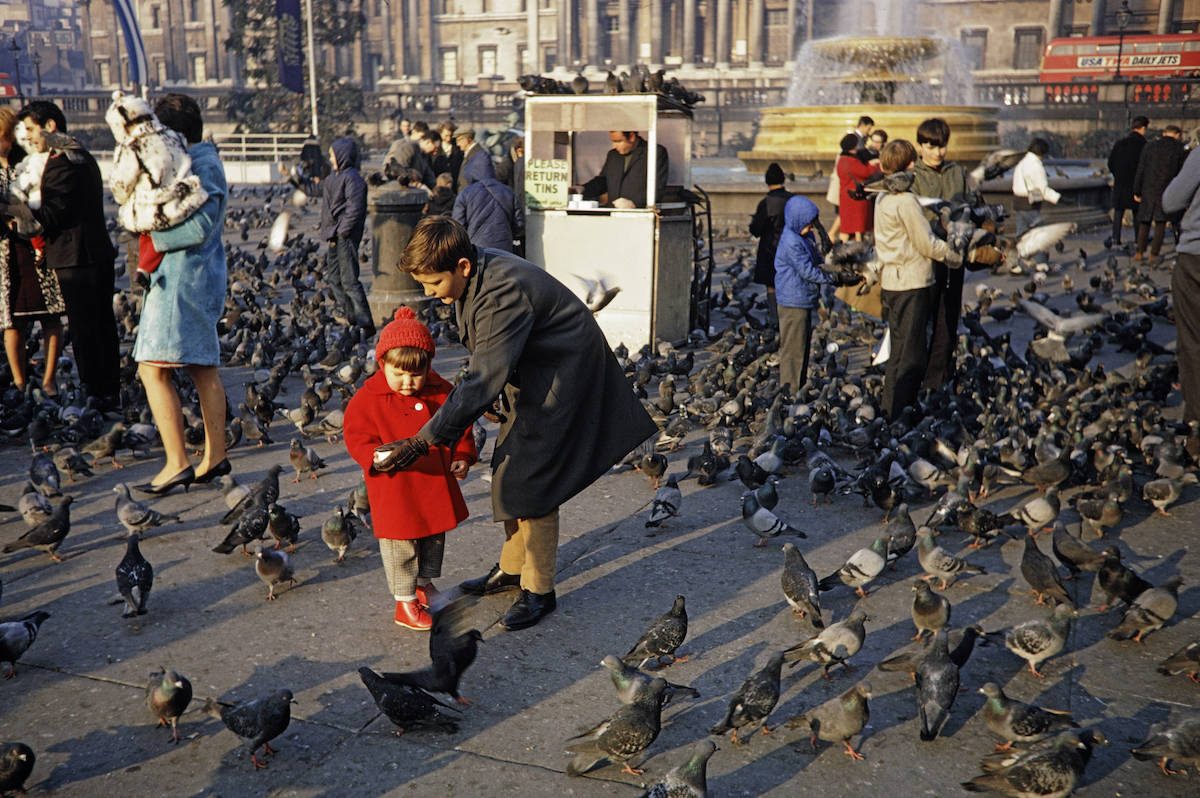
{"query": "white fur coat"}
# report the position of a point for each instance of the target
(151, 177)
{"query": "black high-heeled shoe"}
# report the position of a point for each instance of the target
(184, 478)
(219, 470)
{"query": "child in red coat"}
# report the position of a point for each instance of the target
(411, 510)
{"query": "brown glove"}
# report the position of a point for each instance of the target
(986, 255)
(399, 455)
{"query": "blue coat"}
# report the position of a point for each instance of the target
(344, 212)
(476, 166)
(486, 208)
(798, 278)
(186, 296)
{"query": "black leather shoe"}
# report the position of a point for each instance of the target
(183, 479)
(528, 610)
(219, 470)
(496, 581)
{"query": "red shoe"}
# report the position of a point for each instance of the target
(412, 615)
(426, 594)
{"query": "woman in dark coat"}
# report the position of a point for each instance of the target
(767, 225)
(1161, 160)
(567, 411)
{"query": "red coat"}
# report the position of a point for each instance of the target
(857, 215)
(420, 501)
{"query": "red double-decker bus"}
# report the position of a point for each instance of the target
(1144, 57)
(6, 88)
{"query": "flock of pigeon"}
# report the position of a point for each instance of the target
(1088, 442)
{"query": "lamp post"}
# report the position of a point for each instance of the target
(15, 49)
(36, 58)
(1124, 15)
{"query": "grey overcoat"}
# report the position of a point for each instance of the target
(570, 413)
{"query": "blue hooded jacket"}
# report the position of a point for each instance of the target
(798, 278)
(344, 212)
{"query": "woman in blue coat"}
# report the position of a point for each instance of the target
(183, 303)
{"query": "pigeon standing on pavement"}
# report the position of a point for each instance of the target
(17, 636)
(263, 494)
(251, 525)
(1041, 574)
(1038, 640)
(937, 687)
(835, 644)
(930, 610)
(283, 526)
(860, 569)
(1015, 722)
(33, 505)
(16, 763)
(1162, 493)
(799, 583)
(763, 522)
(168, 695)
(630, 682)
(338, 534)
(273, 568)
(1184, 662)
(629, 732)
(134, 573)
(662, 638)
(106, 445)
(138, 516)
(305, 460)
(1179, 741)
(940, 563)
(666, 503)
(258, 721)
(1149, 612)
(687, 780)
(1049, 773)
(753, 702)
(838, 719)
(43, 475)
(1118, 582)
(406, 706)
(1073, 553)
(453, 644)
(49, 534)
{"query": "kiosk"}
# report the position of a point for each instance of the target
(646, 252)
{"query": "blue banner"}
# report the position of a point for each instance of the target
(288, 45)
(127, 19)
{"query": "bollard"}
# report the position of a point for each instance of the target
(394, 211)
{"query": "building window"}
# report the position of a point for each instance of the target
(487, 61)
(613, 24)
(194, 12)
(1027, 48)
(974, 42)
(103, 73)
(155, 17)
(199, 68)
(449, 64)
(160, 72)
(551, 58)
(776, 17)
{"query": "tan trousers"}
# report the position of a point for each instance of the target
(531, 550)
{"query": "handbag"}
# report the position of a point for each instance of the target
(869, 302)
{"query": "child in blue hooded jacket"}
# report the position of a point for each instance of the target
(343, 219)
(798, 282)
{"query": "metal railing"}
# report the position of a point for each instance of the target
(273, 147)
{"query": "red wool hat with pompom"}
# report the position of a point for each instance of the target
(404, 330)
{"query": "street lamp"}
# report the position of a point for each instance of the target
(36, 58)
(1124, 15)
(15, 49)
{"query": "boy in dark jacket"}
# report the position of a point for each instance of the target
(568, 413)
(767, 225)
(343, 217)
(798, 281)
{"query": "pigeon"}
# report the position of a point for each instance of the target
(49, 534)
(17, 636)
(134, 573)
(937, 686)
(33, 505)
(667, 500)
(689, 779)
(1162, 493)
(107, 445)
(653, 465)
(629, 732)
(138, 516)
(1015, 722)
(70, 460)
(1184, 661)
(16, 763)
(598, 294)
(1043, 237)
(1149, 612)
(996, 164)
(1179, 741)
(749, 472)
(940, 563)
(799, 584)
(764, 523)
(1041, 574)
(838, 719)
(1038, 640)
(662, 637)
(630, 681)
(753, 702)
(262, 494)
(1050, 773)
(1096, 515)
(821, 482)
(231, 491)
(258, 721)
(168, 695)
(1039, 513)
(909, 661)
(930, 610)
(835, 644)
(251, 525)
(274, 567)
(1117, 581)
(1074, 553)
(901, 534)
(305, 460)
(406, 706)
(283, 526)
(858, 571)
(452, 648)
(338, 534)
(43, 475)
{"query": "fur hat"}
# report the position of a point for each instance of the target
(404, 330)
(774, 175)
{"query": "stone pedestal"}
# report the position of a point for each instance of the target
(394, 212)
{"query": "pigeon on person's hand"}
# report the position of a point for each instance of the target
(274, 567)
(49, 534)
(838, 719)
(662, 637)
(258, 721)
(753, 702)
(17, 636)
(134, 573)
(168, 695)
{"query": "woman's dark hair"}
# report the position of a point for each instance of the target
(182, 114)
(934, 131)
(849, 144)
(42, 111)
(1039, 147)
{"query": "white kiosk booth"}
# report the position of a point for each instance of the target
(647, 252)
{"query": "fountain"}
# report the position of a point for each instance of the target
(898, 80)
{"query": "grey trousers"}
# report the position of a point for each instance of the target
(405, 561)
(795, 333)
(1185, 292)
